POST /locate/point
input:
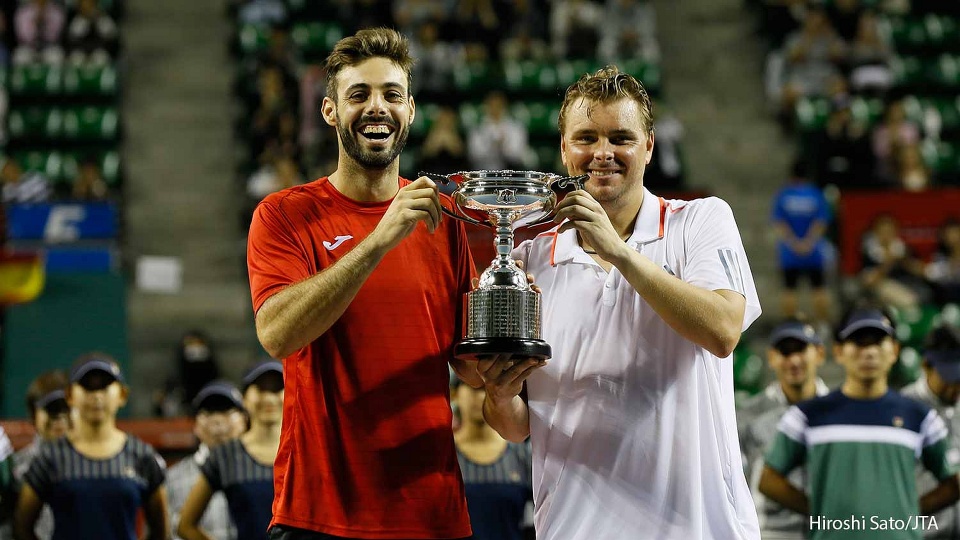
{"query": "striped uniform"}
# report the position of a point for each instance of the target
(498, 493)
(180, 480)
(248, 485)
(860, 456)
(95, 498)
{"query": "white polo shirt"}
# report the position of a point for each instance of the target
(633, 427)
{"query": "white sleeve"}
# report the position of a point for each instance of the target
(522, 253)
(715, 258)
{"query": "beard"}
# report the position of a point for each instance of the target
(372, 159)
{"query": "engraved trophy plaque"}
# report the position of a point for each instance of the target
(503, 312)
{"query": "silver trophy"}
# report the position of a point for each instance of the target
(503, 313)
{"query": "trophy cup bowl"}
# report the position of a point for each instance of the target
(503, 312)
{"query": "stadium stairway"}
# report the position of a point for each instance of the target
(181, 199)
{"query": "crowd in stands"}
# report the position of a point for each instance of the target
(59, 100)
(488, 81)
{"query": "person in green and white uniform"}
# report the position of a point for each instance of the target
(860, 445)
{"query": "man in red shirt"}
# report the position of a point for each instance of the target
(357, 285)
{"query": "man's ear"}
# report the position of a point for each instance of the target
(413, 109)
(650, 139)
(328, 109)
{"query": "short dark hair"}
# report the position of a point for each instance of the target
(364, 45)
(46, 382)
(607, 85)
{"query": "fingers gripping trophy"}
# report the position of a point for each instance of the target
(503, 313)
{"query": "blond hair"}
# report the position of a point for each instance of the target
(607, 85)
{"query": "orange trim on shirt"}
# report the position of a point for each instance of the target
(663, 215)
(553, 245)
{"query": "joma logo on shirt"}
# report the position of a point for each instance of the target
(337, 241)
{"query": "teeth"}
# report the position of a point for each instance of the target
(376, 129)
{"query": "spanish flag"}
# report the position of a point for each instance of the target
(22, 277)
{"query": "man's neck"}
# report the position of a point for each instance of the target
(365, 185)
(869, 389)
(624, 215)
(796, 394)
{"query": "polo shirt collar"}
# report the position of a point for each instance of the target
(648, 228)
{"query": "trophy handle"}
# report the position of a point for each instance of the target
(561, 186)
(444, 179)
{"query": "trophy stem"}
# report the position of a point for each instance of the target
(503, 241)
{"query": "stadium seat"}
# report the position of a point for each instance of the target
(747, 370)
(91, 124)
(48, 162)
(90, 81)
(35, 80)
(253, 39)
(35, 123)
(109, 162)
(476, 78)
(315, 40)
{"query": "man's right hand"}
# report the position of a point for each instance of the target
(416, 202)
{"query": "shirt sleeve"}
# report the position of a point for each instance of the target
(789, 449)
(715, 256)
(936, 445)
(275, 256)
(40, 476)
(777, 214)
(210, 469)
(154, 469)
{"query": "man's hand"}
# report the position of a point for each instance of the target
(416, 202)
(503, 376)
(588, 218)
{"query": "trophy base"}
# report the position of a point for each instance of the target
(476, 348)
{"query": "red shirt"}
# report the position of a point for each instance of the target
(366, 448)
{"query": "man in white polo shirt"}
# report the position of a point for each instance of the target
(632, 421)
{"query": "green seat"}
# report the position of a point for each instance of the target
(476, 77)
(907, 369)
(47, 162)
(548, 158)
(811, 114)
(91, 124)
(945, 71)
(35, 123)
(908, 71)
(109, 162)
(253, 39)
(470, 115)
(647, 73)
(530, 78)
(747, 370)
(90, 81)
(907, 34)
(422, 123)
(540, 118)
(36, 80)
(943, 158)
(315, 40)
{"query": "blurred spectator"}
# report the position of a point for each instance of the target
(196, 366)
(665, 170)
(499, 141)
(496, 473)
(436, 59)
(576, 27)
(274, 176)
(365, 13)
(476, 22)
(262, 12)
(780, 18)
(89, 184)
(4, 51)
(890, 269)
(869, 57)
(529, 30)
(219, 417)
(939, 388)
(812, 55)
(22, 187)
(411, 15)
(943, 272)
(273, 104)
(8, 487)
(842, 154)
(50, 415)
(896, 130)
(795, 354)
(39, 25)
(911, 171)
(845, 17)
(629, 31)
(801, 215)
(525, 45)
(443, 150)
(91, 35)
(283, 139)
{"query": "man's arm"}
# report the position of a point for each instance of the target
(945, 494)
(503, 408)
(155, 512)
(25, 517)
(711, 319)
(302, 312)
(776, 486)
